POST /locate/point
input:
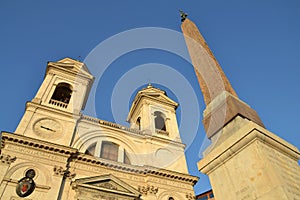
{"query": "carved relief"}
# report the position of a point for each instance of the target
(109, 186)
(147, 189)
(60, 171)
(26, 185)
(7, 159)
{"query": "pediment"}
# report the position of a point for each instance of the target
(107, 183)
(161, 98)
(155, 94)
(158, 96)
(72, 65)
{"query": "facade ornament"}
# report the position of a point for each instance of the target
(69, 175)
(109, 186)
(147, 189)
(153, 190)
(183, 15)
(26, 185)
(7, 159)
(60, 171)
(190, 196)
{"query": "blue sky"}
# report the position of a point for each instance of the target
(256, 43)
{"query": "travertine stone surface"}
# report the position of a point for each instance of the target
(53, 138)
(253, 163)
(50, 160)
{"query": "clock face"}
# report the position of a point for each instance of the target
(48, 128)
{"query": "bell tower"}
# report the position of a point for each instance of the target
(53, 112)
(154, 112)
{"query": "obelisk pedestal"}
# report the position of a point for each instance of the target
(252, 163)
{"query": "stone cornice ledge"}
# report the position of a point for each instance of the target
(35, 143)
(91, 160)
(239, 140)
(145, 170)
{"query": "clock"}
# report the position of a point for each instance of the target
(48, 128)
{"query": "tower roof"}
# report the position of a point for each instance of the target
(71, 65)
(154, 94)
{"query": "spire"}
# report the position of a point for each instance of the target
(222, 102)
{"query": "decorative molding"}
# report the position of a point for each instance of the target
(9, 180)
(162, 132)
(7, 159)
(60, 171)
(145, 190)
(89, 161)
(24, 141)
(109, 186)
(70, 175)
(113, 125)
(239, 140)
(18, 198)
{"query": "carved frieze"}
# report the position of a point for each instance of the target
(35, 153)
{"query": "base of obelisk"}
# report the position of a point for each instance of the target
(252, 163)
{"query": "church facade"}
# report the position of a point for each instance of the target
(57, 152)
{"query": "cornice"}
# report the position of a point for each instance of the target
(52, 109)
(131, 131)
(95, 161)
(65, 67)
(244, 137)
(36, 144)
(137, 101)
(144, 170)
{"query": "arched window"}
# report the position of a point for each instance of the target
(109, 151)
(91, 149)
(159, 121)
(126, 158)
(171, 198)
(62, 94)
(138, 123)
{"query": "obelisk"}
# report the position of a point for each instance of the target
(244, 161)
(222, 102)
